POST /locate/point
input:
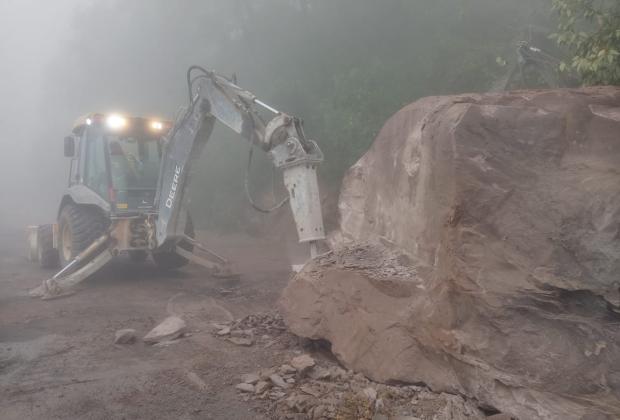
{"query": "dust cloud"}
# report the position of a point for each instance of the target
(30, 156)
(66, 58)
(343, 67)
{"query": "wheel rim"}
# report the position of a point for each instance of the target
(66, 248)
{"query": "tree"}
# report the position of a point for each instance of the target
(590, 29)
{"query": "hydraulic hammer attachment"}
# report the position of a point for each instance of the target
(299, 162)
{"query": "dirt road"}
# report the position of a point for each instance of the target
(58, 359)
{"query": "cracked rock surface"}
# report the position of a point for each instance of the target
(478, 253)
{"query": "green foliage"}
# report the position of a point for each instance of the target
(591, 30)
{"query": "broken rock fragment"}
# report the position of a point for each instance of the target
(303, 363)
(223, 331)
(278, 381)
(243, 387)
(287, 369)
(240, 341)
(125, 336)
(250, 378)
(370, 393)
(261, 386)
(170, 328)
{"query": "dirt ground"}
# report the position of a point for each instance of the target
(58, 359)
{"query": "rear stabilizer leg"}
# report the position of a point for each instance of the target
(96, 256)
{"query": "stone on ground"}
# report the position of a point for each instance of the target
(239, 341)
(370, 393)
(250, 378)
(478, 252)
(125, 336)
(303, 363)
(243, 387)
(278, 381)
(261, 386)
(169, 329)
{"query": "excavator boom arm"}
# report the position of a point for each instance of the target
(213, 97)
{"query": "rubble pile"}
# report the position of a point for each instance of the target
(478, 253)
(374, 261)
(256, 328)
(304, 389)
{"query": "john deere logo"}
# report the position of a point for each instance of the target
(173, 187)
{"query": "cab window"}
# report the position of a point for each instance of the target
(134, 162)
(96, 174)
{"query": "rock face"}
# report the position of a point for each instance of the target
(479, 253)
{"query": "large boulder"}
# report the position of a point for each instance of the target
(479, 253)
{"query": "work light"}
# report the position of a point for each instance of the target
(116, 122)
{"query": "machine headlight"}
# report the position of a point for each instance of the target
(116, 122)
(157, 125)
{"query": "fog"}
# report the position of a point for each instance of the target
(344, 67)
(29, 39)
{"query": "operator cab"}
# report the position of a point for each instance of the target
(118, 158)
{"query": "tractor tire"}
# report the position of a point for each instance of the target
(78, 227)
(138, 256)
(47, 255)
(170, 260)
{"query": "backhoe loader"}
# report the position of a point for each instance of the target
(129, 178)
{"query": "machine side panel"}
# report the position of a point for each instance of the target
(81, 194)
(185, 144)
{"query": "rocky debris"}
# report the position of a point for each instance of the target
(169, 329)
(302, 364)
(241, 341)
(243, 387)
(287, 369)
(399, 418)
(345, 395)
(377, 262)
(478, 253)
(263, 328)
(267, 323)
(125, 336)
(250, 378)
(224, 331)
(501, 416)
(310, 391)
(261, 387)
(278, 381)
(331, 372)
(370, 393)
